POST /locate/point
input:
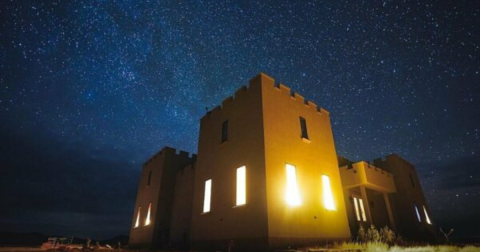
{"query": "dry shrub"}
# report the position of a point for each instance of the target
(385, 235)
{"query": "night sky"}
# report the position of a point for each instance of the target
(90, 89)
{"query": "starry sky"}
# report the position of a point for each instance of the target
(90, 89)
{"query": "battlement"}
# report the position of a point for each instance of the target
(300, 99)
(363, 173)
(172, 151)
(343, 161)
(391, 158)
(263, 79)
(365, 164)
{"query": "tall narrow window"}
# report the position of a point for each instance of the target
(147, 220)
(225, 131)
(327, 193)
(411, 180)
(137, 222)
(241, 186)
(357, 212)
(149, 177)
(418, 214)
(362, 210)
(292, 194)
(207, 196)
(303, 126)
(426, 215)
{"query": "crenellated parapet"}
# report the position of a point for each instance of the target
(226, 102)
(382, 161)
(173, 152)
(364, 174)
(300, 99)
(265, 80)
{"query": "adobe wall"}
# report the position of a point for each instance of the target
(246, 225)
(310, 222)
(163, 166)
(409, 193)
(142, 236)
(365, 174)
(182, 207)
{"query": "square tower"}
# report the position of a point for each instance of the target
(411, 210)
(267, 173)
(151, 222)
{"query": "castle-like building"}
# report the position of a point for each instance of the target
(267, 175)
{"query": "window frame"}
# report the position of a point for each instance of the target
(148, 218)
(224, 136)
(137, 221)
(417, 212)
(427, 218)
(239, 186)
(303, 128)
(411, 179)
(356, 207)
(149, 179)
(359, 208)
(362, 209)
(207, 208)
(293, 197)
(327, 194)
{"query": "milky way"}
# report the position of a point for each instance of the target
(90, 89)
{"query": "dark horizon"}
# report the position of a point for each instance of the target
(89, 90)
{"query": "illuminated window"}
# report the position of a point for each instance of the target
(149, 177)
(357, 212)
(292, 194)
(303, 126)
(137, 222)
(418, 214)
(327, 193)
(147, 220)
(207, 197)
(426, 215)
(225, 131)
(360, 202)
(241, 186)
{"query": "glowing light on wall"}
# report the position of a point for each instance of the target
(147, 220)
(364, 216)
(137, 222)
(207, 197)
(355, 201)
(418, 214)
(426, 215)
(241, 186)
(327, 193)
(292, 194)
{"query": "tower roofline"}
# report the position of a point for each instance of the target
(168, 149)
(391, 156)
(262, 78)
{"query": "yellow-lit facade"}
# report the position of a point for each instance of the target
(266, 176)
